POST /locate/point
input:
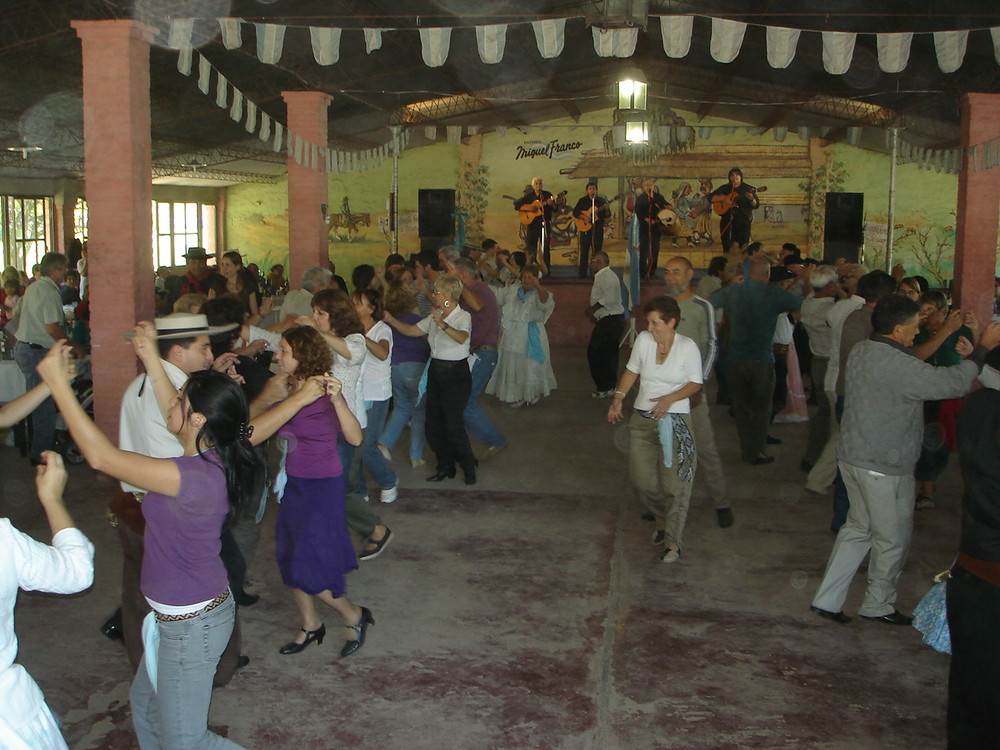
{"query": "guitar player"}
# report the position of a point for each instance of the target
(539, 203)
(592, 209)
(741, 200)
(647, 205)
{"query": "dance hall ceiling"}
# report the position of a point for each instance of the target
(41, 97)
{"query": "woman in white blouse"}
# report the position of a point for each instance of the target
(376, 385)
(661, 452)
(449, 380)
(64, 568)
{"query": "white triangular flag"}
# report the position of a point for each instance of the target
(232, 32)
(270, 40)
(325, 44)
(491, 41)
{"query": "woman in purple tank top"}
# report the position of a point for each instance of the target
(188, 499)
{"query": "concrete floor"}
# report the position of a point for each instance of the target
(532, 613)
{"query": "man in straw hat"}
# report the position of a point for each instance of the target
(184, 345)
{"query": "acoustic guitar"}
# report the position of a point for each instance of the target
(531, 211)
(584, 223)
(724, 202)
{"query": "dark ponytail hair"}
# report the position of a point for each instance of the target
(224, 406)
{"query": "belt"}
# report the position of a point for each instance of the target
(207, 608)
(484, 348)
(30, 345)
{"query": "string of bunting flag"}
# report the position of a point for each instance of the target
(243, 110)
(320, 156)
(676, 32)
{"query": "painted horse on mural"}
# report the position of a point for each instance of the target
(348, 222)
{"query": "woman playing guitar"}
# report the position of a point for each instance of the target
(735, 202)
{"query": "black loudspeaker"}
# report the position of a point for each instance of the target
(844, 228)
(435, 209)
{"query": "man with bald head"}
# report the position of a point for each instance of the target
(698, 324)
(539, 228)
(752, 309)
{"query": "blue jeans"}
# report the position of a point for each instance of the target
(476, 421)
(406, 408)
(43, 419)
(174, 716)
(371, 458)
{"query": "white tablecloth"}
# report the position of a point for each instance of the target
(11, 381)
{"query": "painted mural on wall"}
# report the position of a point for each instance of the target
(488, 176)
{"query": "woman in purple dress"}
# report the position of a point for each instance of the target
(313, 547)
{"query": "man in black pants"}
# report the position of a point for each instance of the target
(648, 204)
(591, 209)
(607, 313)
(539, 202)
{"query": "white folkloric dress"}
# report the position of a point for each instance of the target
(524, 367)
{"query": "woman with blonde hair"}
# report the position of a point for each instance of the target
(449, 380)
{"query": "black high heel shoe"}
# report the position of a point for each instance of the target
(470, 475)
(442, 474)
(311, 635)
(359, 628)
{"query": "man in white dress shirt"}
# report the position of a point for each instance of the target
(184, 348)
(608, 315)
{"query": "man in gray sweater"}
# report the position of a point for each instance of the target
(879, 445)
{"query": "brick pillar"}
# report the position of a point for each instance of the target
(978, 210)
(307, 188)
(119, 189)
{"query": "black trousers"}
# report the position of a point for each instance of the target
(602, 351)
(973, 679)
(734, 227)
(590, 242)
(531, 239)
(448, 387)
(649, 249)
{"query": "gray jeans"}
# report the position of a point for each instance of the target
(175, 713)
(879, 521)
(658, 488)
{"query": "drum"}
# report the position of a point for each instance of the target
(670, 222)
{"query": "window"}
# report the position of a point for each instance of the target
(178, 226)
(80, 220)
(25, 230)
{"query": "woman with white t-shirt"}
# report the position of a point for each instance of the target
(449, 380)
(661, 453)
(376, 386)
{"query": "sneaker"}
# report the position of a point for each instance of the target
(924, 501)
(390, 495)
(658, 536)
(416, 463)
(386, 453)
(670, 556)
(490, 451)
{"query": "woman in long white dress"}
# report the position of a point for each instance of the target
(524, 369)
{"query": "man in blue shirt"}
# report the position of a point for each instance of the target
(752, 309)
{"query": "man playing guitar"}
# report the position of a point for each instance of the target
(535, 209)
(648, 204)
(590, 211)
(735, 202)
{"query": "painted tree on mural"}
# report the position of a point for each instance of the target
(829, 177)
(473, 188)
(932, 248)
